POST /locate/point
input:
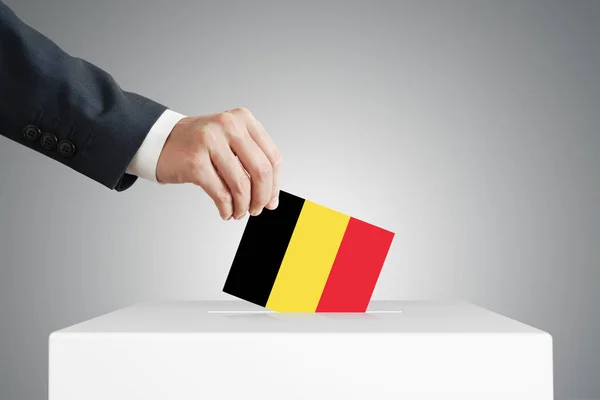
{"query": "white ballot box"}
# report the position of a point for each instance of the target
(233, 350)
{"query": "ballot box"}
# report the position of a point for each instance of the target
(237, 351)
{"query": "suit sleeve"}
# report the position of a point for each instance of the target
(68, 109)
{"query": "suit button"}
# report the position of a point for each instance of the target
(48, 141)
(31, 132)
(66, 148)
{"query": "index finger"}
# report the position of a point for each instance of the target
(260, 136)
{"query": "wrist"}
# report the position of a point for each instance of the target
(145, 162)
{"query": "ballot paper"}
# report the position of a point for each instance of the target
(305, 257)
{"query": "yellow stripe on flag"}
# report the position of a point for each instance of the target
(308, 259)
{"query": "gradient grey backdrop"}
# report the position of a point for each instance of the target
(471, 129)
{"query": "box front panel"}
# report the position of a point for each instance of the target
(232, 366)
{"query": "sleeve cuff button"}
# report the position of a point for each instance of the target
(66, 149)
(31, 132)
(48, 141)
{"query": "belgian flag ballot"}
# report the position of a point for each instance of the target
(304, 257)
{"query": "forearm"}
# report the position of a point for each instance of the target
(72, 102)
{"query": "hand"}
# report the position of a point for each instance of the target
(230, 156)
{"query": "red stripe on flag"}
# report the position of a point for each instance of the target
(356, 268)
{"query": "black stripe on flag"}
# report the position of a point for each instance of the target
(261, 250)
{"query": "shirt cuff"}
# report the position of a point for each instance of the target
(145, 161)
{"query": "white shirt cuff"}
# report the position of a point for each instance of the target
(145, 161)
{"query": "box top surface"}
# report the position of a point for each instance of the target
(240, 317)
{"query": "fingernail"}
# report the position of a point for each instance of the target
(241, 216)
(229, 218)
(275, 202)
(256, 213)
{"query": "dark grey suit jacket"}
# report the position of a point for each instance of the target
(68, 109)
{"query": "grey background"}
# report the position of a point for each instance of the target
(471, 129)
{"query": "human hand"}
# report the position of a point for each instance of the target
(230, 156)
